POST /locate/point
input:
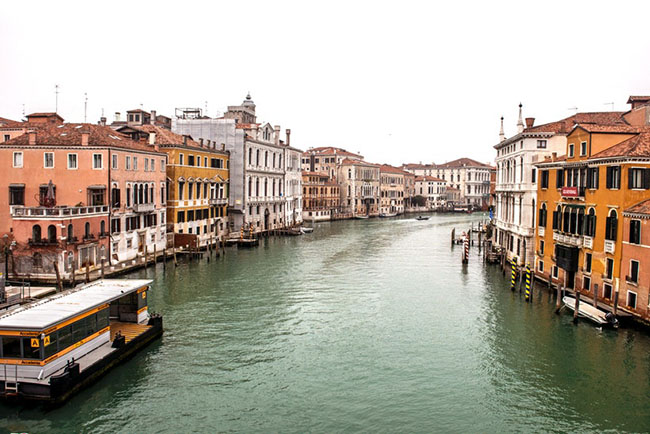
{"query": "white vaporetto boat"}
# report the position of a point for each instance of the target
(590, 312)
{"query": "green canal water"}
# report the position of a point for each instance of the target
(371, 326)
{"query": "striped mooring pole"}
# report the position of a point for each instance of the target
(527, 282)
(513, 281)
(466, 250)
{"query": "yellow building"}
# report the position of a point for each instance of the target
(581, 199)
(197, 184)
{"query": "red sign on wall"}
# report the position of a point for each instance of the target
(570, 191)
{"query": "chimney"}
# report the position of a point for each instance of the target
(153, 117)
(102, 121)
(184, 140)
(85, 135)
(554, 156)
(520, 122)
(288, 133)
(201, 141)
(530, 122)
(117, 116)
(152, 138)
(32, 137)
(223, 146)
(502, 134)
(276, 134)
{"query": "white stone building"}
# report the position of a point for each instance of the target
(432, 189)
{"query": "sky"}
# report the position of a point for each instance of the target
(398, 82)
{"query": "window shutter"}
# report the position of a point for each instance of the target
(555, 220)
(646, 179)
(609, 177)
(596, 177)
(630, 178)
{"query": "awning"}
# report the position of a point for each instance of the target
(96, 187)
(20, 185)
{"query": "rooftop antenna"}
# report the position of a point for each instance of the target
(23, 110)
(102, 112)
(610, 103)
(575, 109)
(206, 109)
(85, 107)
(56, 98)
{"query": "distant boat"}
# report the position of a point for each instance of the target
(391, 214)
(422, 217)
(306, 230)
(361, 216)
(590, 312)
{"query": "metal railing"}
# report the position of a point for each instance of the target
(57, 212)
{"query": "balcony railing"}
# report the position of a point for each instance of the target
(610, 246)
(42, 242)
(541, 231)
(143, 207)
(568, 239)
(88, 237)
(218, 201)
(42, 212)
(588, 242)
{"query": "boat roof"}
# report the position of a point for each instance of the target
(58, 308)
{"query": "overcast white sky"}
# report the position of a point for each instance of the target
(398, 81)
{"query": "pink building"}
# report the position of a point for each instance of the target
(77, 193)
(635, 261)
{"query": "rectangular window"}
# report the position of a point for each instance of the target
(587, 262)
(180, 159)
(635, 231)
(127, 165)
(634, 272)
(607, 291)
(541, 144)
(72, 161)
(162, 165)
(571, 150)
(544, 178)
(583, 149)
(631, 299)
(609, 272)
(181, 190)
(638, 178)
(180, 217)
(190, 160)
(17, 195)
(146, 164)
(98, 162)
(592, 177)
(153, 165)
(48, 160)
(541, 247)
(190, 190)
(18, 159)
(555, 272)
(135, 163)
(114, 158)
(116, 226)
(540, 266)
(7, 137)
(586, 283)
(533, 176)
(613, 177)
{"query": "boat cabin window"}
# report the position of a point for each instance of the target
(11, 346)
(32, 348)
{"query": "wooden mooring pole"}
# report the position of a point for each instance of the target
(102, 267)
(528, 288)
(59, 284)
(577, 307)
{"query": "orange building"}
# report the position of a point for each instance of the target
(635, 260)
(321, 199)
(581, 199)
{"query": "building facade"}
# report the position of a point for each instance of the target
(432, 189)
(321, 196)
(392, 189)
(360, 189)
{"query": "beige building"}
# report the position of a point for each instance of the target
(432, 189)
(359, 182)
(393, 189)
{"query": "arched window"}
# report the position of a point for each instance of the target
(611, 225)
(36, 233)
(70, 232)
(257, 186)
(581, 222)
(51, 234)
(87, 230)
(557, 218)
(590, 223)
(102, 227)
(250, 186)
(566, 219)
(266, 158)
(250, 155)
(266, 186)
(257, 157)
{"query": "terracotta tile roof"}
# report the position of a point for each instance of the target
(307, 173)
(640, 208)
(351, 162)
(70, 135)
(42, 114)
(566, 125)
(617, 128)
(137, 111)
(637, 146)
(167, 137)
(8, 123)
(414, 166)
(331, 150)
(637, 98)
(387, 168)
(462, 162)
(428, 178)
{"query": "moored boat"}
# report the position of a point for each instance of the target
(361, 216)
(590, 312)
(389, 214)
(306, 230)
(422, 217)
(52, 348)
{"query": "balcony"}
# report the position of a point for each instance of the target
(588, 242)
(631, 280)
(541, 231)
(610, 246)
(218, 201)
(143, 207)
(568, 239)
(43, 242)
(57, 213)
(573, 192)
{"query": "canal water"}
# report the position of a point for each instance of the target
(364, 325)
